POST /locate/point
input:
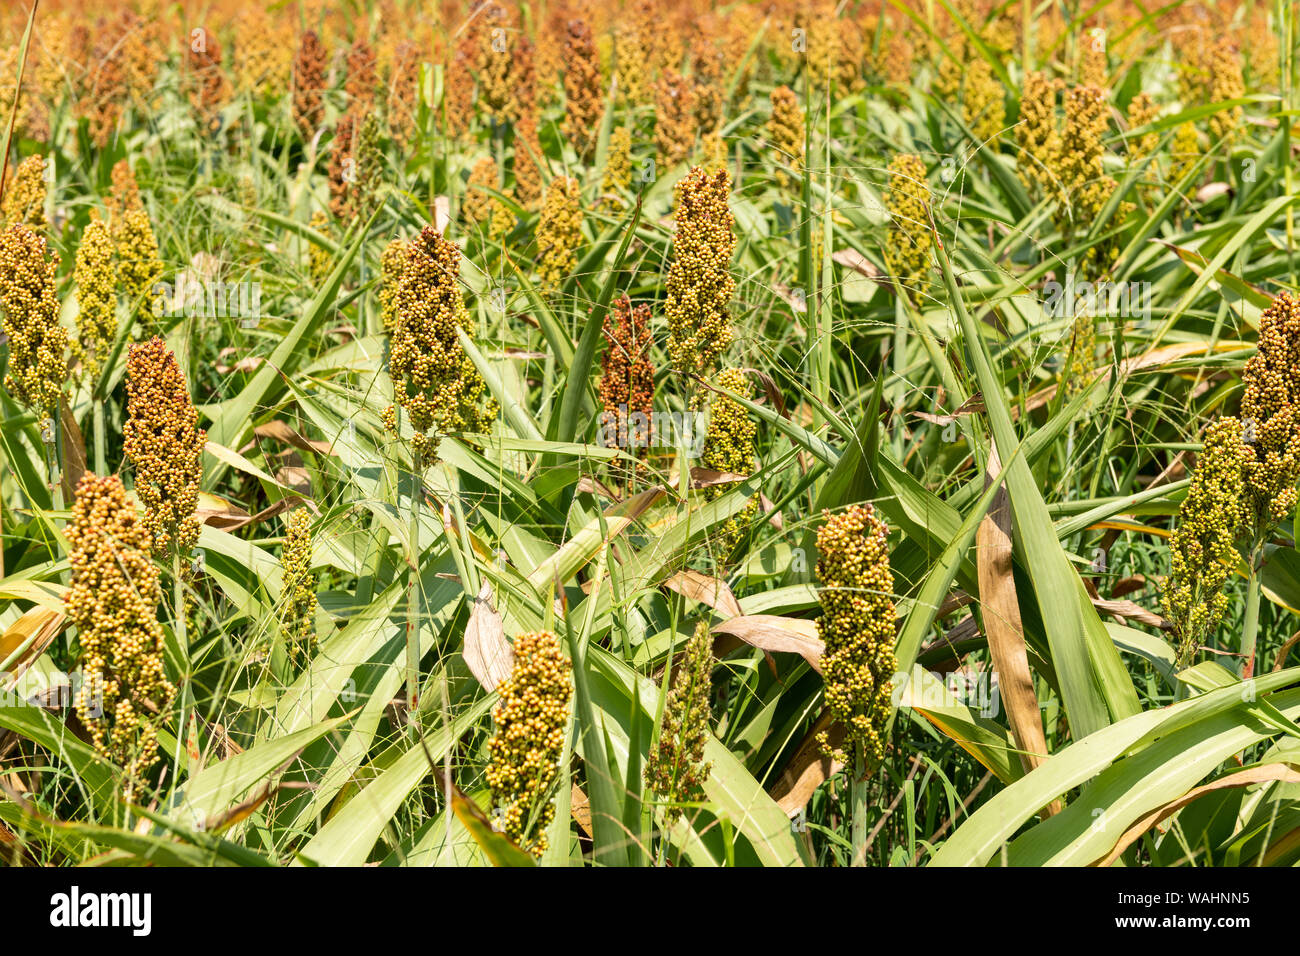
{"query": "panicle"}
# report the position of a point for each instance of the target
(1201, 551)
(37, 342)
(434, 381)
(583, 99)
(530, 720)
(907, 254)
(699, 286)
(164, 443)
(559, 233)
(113, 601)
(785, 131)
(675, 767)
(96, 298)
(857, 626)
(1270, 415)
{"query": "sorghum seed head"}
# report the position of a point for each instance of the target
(309, 83)
(700, 286)
(857, 626)
(1270, 414)
(1037, 134)
(96, 298)
(164, 443)
(24, 199)
(37, 342)
(559, 233)
(1201, 550)
(785, 131)
(530, 718)
(433, 379)
(729, 447)
(583, 102)
(674, 118)
(138, 265)
(675, 767)
(298, 589)
(907, 255)
(113, 601)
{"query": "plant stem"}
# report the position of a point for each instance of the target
(1251, 630)
(101, 440)
(858, 799)
(183, 650)
(412, 604)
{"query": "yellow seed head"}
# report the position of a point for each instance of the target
(729, 447)
(391, 264)
(138, 265)
(1201, 550)
(434, 381)
(700, 286)
(1142, 109)
(530, 720)
(1270, 415)
(164, 443)
(907, 254)
(37, 342)
(559, 233)
(1037, 134)
(24, 199)
(96, 298)
(675, 768)
(298, 589)
(319, 261)
(982, 101)
(857, 626)
(618, 168)
(113, 601)
(785, 131)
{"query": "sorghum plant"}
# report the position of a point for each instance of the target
(1202, 555)
(113, 601)
(37, 342)
(164, 443)
(559, 233)
(434, 381)
(699, 286)
(857, 626)
(298, 590)
(675, 767)
(530, 720)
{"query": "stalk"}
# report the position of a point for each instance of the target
(101, 440)
(1250, 632)
(182, 646)
(412, 609)
(858, 801)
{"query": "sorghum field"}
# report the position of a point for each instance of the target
(646, 432)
